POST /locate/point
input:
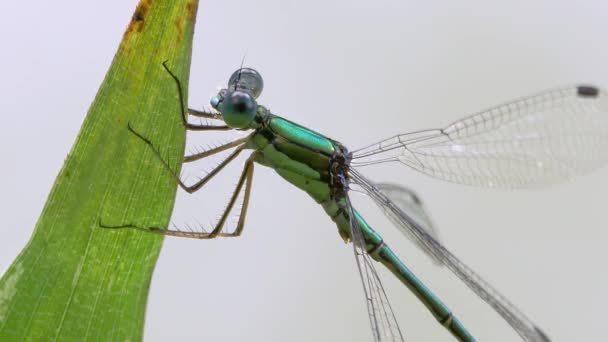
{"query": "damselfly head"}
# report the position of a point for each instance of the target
(237, 103)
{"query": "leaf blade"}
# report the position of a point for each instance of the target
(73, 280)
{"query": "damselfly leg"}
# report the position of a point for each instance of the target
(245, 179)
(239, 144)
(201, 114)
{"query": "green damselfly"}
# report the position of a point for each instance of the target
(532, 141)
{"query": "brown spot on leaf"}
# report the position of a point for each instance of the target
(181, 22)
(139, 17)
(191, 9)
(179, 29)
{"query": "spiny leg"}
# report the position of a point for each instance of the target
(204, 114)
(196, 186)
(247, 176)
(245, 179)
(207, 153)
(184, 113)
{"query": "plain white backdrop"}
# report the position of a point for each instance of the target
(356, 71)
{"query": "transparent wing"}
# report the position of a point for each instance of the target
(407, 201)
(532, 141)
(382, 319)
(522, 324)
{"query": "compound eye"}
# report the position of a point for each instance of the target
(247, 80)
(238, 109)
(217, 99)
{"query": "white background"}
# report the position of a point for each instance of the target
(356, 71)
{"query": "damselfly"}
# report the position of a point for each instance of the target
(532, 141)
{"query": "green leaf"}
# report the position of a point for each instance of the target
(75, 281)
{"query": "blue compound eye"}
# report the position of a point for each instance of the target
(238, 109)
(217, 99)
(247, 80)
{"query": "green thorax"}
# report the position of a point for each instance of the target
(301, 156)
